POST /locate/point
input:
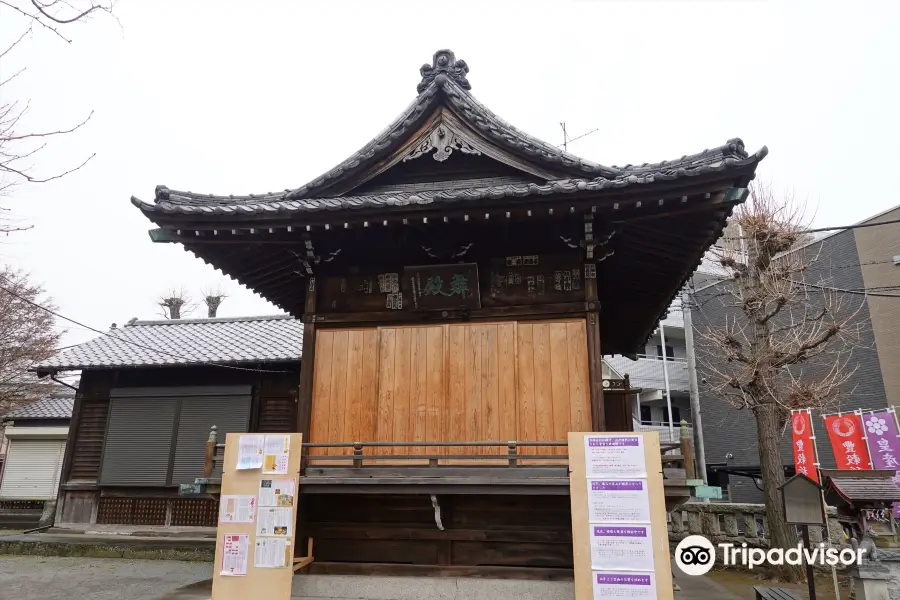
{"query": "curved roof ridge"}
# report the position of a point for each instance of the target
(202, 320)
(732, 154)
(446, 79)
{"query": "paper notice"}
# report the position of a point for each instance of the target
(618, 501)
(615, 456)
(273, 553)
(277, 453)
(274, 521)
(237, 509)
(624, 585)
(234, 556)
(276, 492)
(250, 452)
(622, 547)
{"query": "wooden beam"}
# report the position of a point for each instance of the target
(532, 573)
(498, 312)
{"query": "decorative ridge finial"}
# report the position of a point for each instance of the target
(444, 64)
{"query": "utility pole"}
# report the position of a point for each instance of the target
(662, 337)
(700, 453)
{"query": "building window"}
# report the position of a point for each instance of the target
(676, 415)
(670, 352)
(646, 417)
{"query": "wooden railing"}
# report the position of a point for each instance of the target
(512, 458)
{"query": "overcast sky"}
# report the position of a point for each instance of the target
(255, 96)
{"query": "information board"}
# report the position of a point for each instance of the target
(619, 535)
(257, 514)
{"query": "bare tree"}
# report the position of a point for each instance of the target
(27, 337)
(213, 298)
(18, 147)
(785, 344)
(176, 304)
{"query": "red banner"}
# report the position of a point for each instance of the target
(804, 444)
(847, 442)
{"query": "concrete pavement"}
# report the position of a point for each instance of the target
(345, 587)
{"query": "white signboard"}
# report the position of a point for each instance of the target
(621, 547)
(618, 501)
(614, 456)
(614, 585)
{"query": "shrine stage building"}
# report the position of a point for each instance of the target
(458, 282)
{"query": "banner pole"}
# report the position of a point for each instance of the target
(862, 423)
(827, 532)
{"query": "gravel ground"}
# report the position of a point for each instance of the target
(56, 578)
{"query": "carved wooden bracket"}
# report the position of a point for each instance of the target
(442, 140)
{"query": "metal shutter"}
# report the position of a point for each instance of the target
(138, 440)
(32, 469)
(229, 413)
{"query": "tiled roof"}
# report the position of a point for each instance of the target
(866, 488)
(57, 405)
(171, 201)
(248, 340)
(444, 81)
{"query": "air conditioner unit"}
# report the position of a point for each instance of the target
(897, 260)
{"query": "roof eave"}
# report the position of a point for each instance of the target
(52, 370)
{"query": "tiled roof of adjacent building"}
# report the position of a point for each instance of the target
(872, 486)
(57, 405)
(239, 340)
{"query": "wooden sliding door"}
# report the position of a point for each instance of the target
(464, 382)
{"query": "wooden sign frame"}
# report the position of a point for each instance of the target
(581, 527)
(270, 583)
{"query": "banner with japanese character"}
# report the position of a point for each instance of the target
(884, 441)
(848, 442)
(804, 443)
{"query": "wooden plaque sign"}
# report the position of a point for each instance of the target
(257, 517)
(363, 293)
(520, 280)
(619, 532)
(443, 287)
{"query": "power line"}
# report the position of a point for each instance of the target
(824, 229)
(862, 292)
(106, 333)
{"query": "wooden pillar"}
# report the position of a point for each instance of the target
(595, 363)
(307, 364)
(304, 407)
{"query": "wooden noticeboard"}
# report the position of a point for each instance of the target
(619, 531)
(261, 582)
(523, 280)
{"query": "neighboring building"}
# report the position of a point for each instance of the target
(36, 435)
(148, 395)
(459, 281)
(649, 372)
(864, 258)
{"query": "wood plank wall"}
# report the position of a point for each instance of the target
(525, 381)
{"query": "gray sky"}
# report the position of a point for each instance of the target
(248, 97)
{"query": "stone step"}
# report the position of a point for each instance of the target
(360, 587)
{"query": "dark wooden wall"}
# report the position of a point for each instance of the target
(274, 409)
(480, 531)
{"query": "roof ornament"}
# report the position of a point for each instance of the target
(443, 141)
(443, 66)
